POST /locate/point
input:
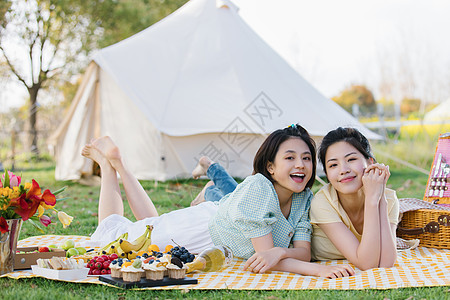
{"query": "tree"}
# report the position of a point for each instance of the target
(410, 105)
(356, 94)
(132, 16)
(43, 41)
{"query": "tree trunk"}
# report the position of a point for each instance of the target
(33, 135)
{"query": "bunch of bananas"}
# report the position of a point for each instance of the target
(126, 249)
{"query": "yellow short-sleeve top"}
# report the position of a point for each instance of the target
(326, 208)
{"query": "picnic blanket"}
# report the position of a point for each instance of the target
(414, 268)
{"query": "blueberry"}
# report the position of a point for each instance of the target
(114, 262)
(145, 255)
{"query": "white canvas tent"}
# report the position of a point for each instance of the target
(199, 82)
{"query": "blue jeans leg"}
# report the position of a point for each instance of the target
(223, 183)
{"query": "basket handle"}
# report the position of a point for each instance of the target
(432, 227)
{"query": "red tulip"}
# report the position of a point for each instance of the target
(45, 220)
(3, 225)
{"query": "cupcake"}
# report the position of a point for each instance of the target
(176, 268)
(154, 270)
(115, 267)
(132, 271)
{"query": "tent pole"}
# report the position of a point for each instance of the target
(97, 108)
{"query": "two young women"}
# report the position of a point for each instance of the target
(354, 216)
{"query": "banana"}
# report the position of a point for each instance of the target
(115, 246)
(147, 243)
(121, 253)
(132, 254)
(105, 248)
(112, 249)
(108, 251)
(137, 243)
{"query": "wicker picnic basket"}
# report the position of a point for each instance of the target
(432, 226)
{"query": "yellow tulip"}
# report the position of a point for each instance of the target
(41, 211)
(64, 218)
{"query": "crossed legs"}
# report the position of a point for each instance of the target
(200, 170)
(107, 155)
(221, 182)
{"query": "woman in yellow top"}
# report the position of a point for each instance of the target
(355, 216)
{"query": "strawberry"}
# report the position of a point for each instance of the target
(96, 272)
(44, 249)
(106, 264)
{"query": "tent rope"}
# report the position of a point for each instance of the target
(320, 180)
(405, 163)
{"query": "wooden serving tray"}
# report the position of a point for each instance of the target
(146, 282)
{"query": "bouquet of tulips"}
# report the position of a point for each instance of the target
(28, 202)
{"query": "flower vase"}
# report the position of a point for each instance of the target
(8, 245)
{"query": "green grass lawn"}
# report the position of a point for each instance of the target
(169, 196)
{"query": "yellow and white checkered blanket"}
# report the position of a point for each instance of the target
(414, 268)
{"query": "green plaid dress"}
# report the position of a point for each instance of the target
(252, 210)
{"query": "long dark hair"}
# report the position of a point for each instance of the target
(348, 135)
(269, 148)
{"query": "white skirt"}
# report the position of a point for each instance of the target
(187, 227)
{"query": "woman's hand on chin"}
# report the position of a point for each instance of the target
(373, 183)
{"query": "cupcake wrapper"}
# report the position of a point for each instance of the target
(131, 276)
(177, 274)
(116, 273)
(154, 275)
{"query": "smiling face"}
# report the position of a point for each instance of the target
(345, 167)
(292, 167)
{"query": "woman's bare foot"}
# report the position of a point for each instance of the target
(201, 196)
(203, 164)
(91, 152)
(109, 150)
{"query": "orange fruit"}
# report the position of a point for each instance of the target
(127, 263)
(153, 247)
(140, 253)
(168, 248)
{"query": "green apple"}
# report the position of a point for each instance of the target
(72, 252)
(53, 246)
(81, 250)
(68, 245)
